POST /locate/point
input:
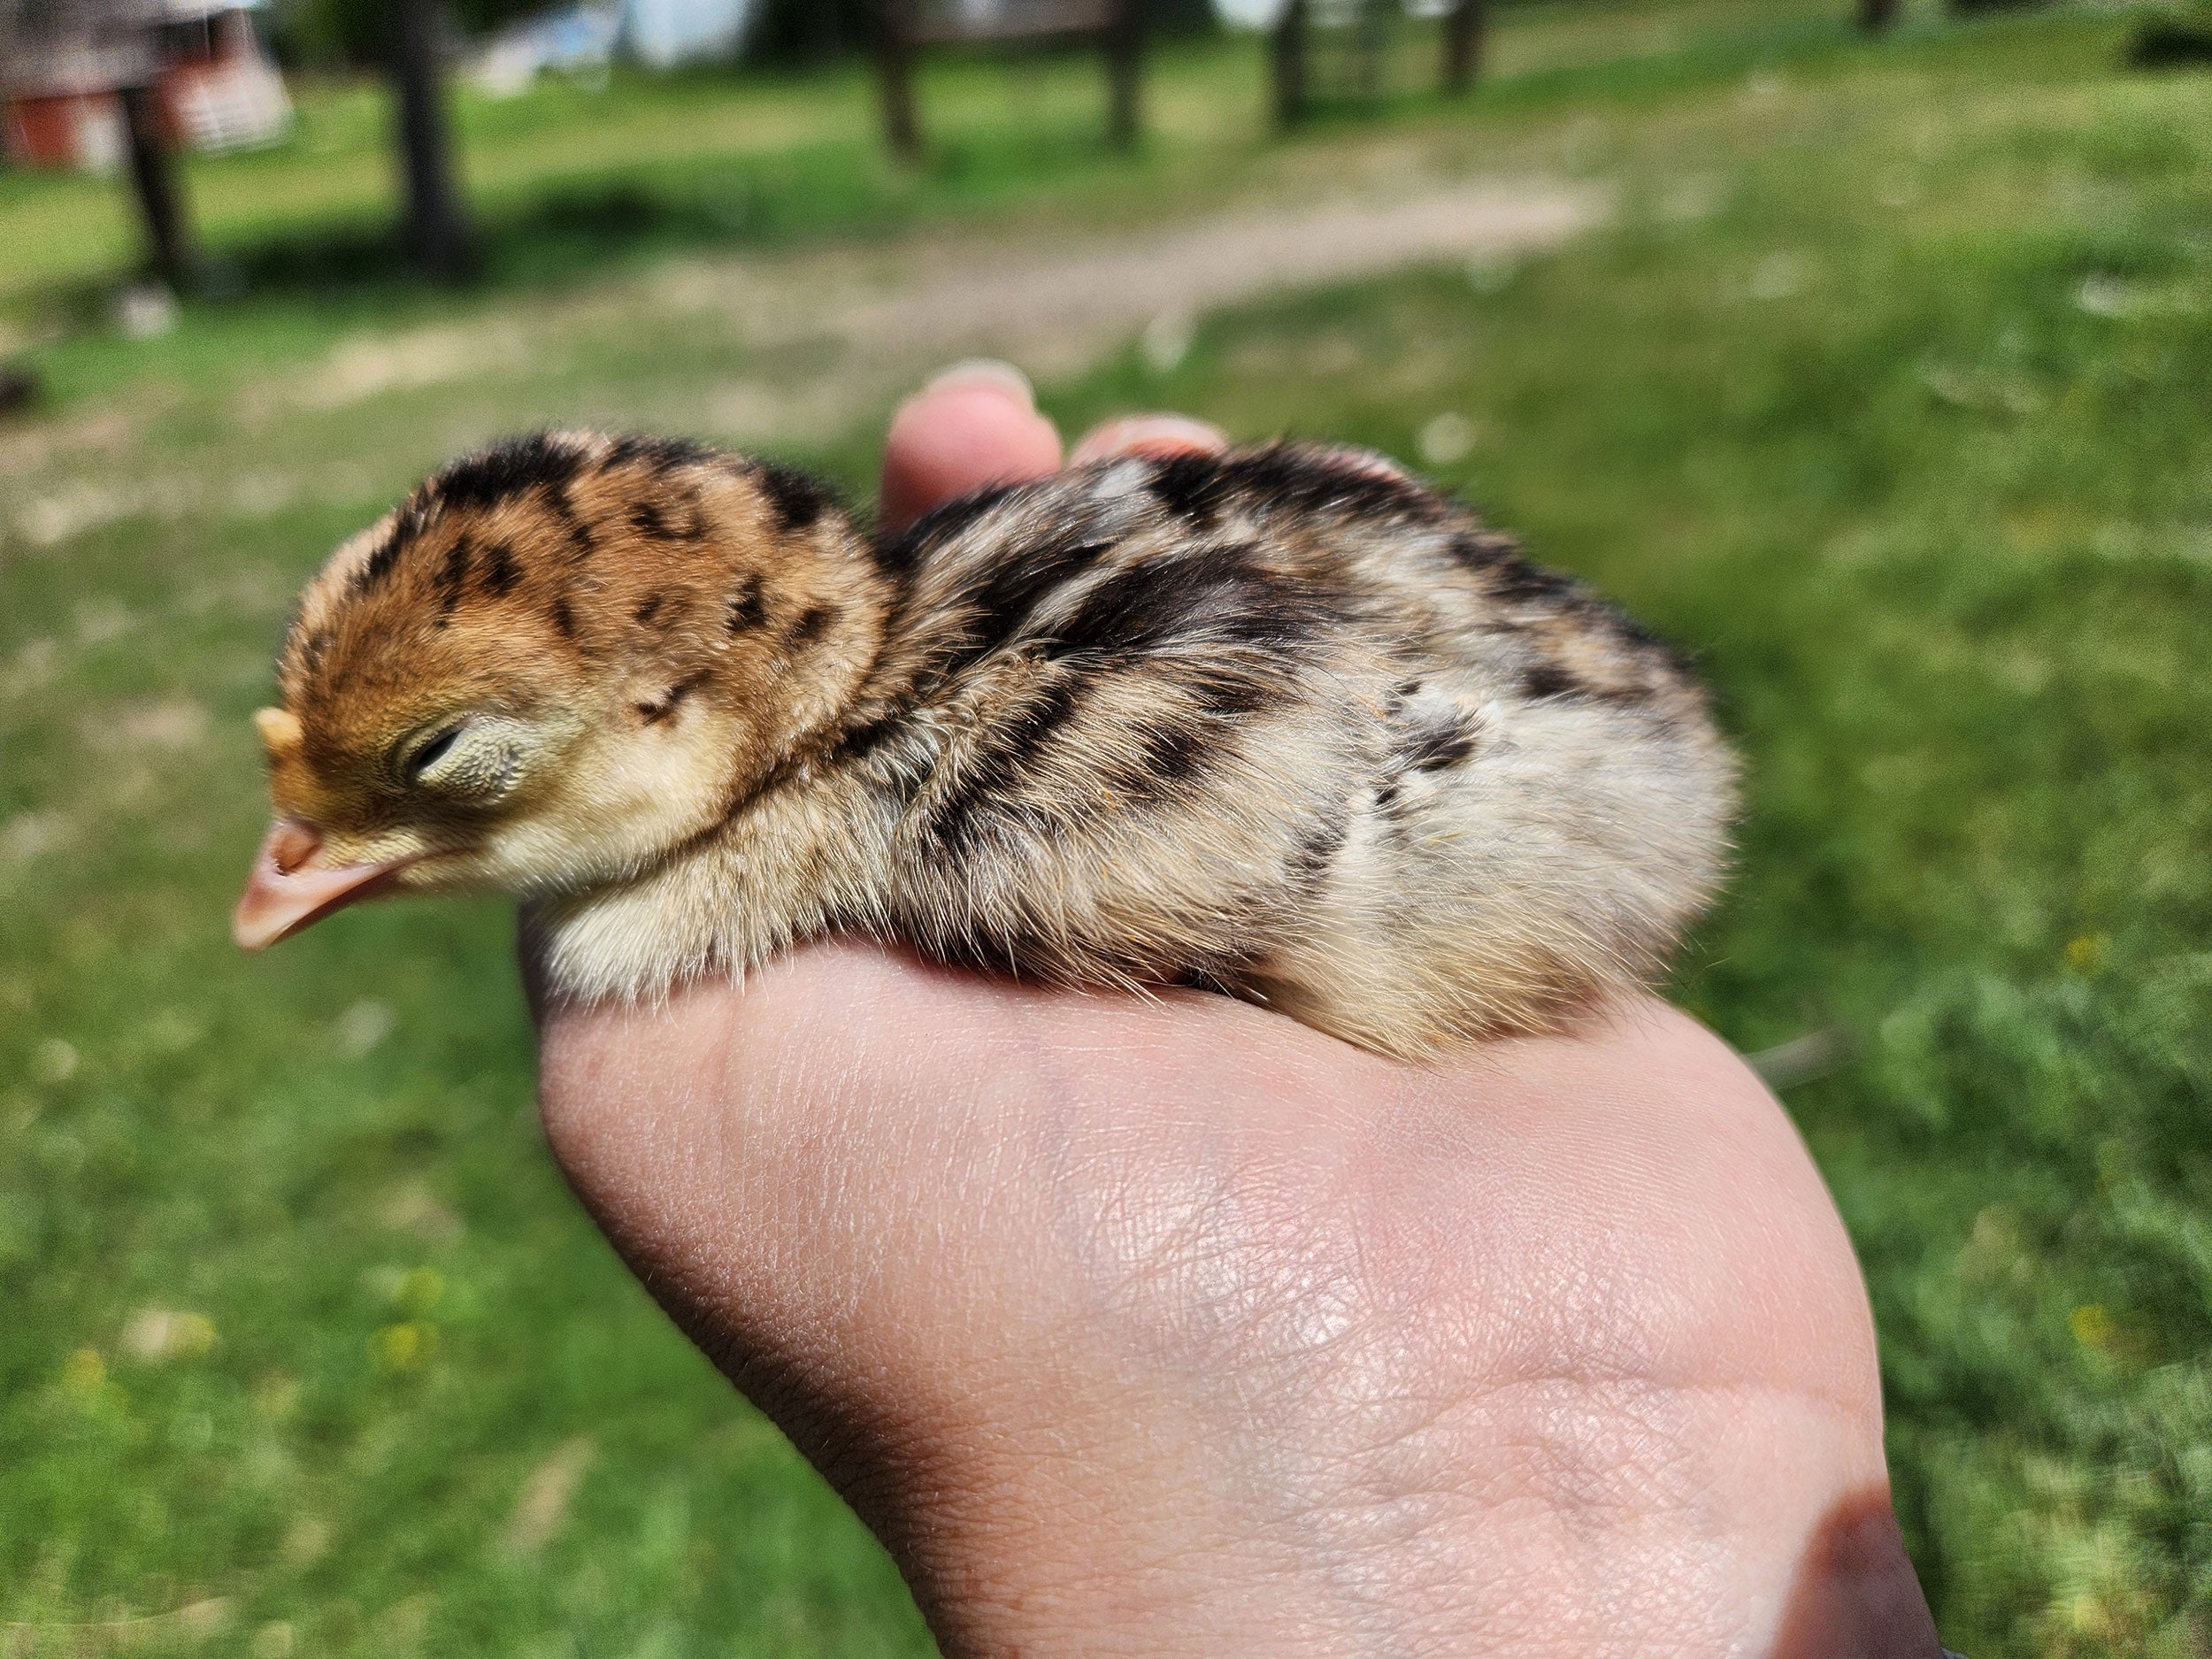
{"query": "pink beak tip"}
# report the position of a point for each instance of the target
(284, 894)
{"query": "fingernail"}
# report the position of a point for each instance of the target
(1147, 434)
(986, 372)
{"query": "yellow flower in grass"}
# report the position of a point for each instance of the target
(405, 1347)
(84, 1373)
(2093, 1326)
(2087, 953)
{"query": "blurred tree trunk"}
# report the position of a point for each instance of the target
(437, 230)
(154, 184)
(1290, 63)
(1183, 18)
(894, 76)
(809, 31)
(1124, 70)
(1877, 15)
(1463, 45)
(1372, 26)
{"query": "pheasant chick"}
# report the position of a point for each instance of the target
(1280, 722)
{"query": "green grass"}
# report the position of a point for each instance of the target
(1884, 393)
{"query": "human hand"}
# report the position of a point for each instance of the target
(1171, 1327)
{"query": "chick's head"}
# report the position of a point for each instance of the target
(559, 660)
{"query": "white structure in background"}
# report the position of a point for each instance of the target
(1264, 14)
(218, 83)
(661, 33)
(580, 40)
(664, 34)
(1006, 19)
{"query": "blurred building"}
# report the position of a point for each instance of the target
(1008, 19)
(665, 33)
(583, 39)
(61, 66)
(576, 40)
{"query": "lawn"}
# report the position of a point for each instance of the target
(1882, 390)
(567, 176)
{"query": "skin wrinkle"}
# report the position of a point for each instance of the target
(813, 1340)
(1173, 1248)
(1302, 1509)
(1629, 1463)
(1503, 1194)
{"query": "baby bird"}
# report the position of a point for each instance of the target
(1280, 722)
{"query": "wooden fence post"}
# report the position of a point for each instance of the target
(1370, 45)
(894, 76)
(437, 230)
(1125, 42)
(1463, 46)
(154, 182)
(1290, 63)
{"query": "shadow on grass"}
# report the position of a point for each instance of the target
(2165, 43)
(282, 289)
(567, 232)
(580, 228)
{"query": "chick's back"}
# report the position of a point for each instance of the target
(1286, 722)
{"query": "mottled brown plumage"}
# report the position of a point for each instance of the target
(1281, 722)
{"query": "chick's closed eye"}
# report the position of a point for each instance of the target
(477, 759)
(1281, 722)
(429, 752)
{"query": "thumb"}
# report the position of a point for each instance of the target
(975, 424)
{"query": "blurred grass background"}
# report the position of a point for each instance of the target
(1882, 389)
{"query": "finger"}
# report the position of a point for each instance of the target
(975, 424)
(1149, 435)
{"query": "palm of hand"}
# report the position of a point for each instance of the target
(1175, 1327)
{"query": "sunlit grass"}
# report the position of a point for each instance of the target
(994, 124)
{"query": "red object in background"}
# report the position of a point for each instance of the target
(66, 129)
(216, 86)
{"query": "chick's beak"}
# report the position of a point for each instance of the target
(288, 889)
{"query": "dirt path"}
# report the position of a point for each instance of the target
(884, 315)
(820, 339)
(1058, 309)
